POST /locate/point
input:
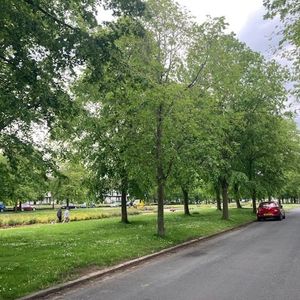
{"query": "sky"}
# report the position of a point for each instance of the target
(245, 18)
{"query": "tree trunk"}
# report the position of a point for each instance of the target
(124, 217)
(238, 203)
(160, 172)
(218, 197)
(160, 210)
(254, 201)
(237, 196)
(20, 205)
(68, 202)
(251, 176)
(186, 201)
(224, 184)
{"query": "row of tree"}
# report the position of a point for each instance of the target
(159, 103)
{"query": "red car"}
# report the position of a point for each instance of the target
(26, 207)
(270, 210)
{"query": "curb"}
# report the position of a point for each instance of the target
(125, 265)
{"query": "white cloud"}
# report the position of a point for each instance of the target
(236, 12)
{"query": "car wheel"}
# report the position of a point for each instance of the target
(259, 219)
(280, 217)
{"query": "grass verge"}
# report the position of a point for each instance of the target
(49, 216)
(38, 256)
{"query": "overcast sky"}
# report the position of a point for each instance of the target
(245, 18)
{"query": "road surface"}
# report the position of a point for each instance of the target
(258, 262)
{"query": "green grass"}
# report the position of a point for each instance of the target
(38, 256)
(49, 216)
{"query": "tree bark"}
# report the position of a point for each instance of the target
(224, 184)
(218, 197)
(238, 203)
(185, 201)
(254, 201)
(237, 196)
(124, 216)
(160, 172)
(160, 210)
(124, 187)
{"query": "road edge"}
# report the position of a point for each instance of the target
(110, 270)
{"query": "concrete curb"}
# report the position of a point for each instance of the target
(125, 265)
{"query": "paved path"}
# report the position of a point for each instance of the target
(259, 262)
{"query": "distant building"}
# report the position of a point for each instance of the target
(113, 197)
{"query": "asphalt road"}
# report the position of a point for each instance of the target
(258, 262)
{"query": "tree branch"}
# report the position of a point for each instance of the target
(198, 74)
(31, 3)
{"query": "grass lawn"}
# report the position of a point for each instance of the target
(38, 256)
(49, 215)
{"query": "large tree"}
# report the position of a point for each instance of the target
(170, 27)
(43, 44)
(104, 133)
(289, 45)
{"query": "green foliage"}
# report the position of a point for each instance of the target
(144, 103)
(288, 11)
(70, 184)
(43, 45)
(23, 179)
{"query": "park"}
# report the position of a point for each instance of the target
(120, 137)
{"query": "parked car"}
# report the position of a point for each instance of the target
(70, 206)
(2, 207)
(26, 207)
(270, 210)
(87, 205)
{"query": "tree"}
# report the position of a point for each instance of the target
(170, 27)
(264, 98)
(224, 61)
(237, 181)
(70, 184)
(288, 11)
(104, 132)
(43, 43)
(23, 179)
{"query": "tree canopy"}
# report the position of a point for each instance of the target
(151, 101)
